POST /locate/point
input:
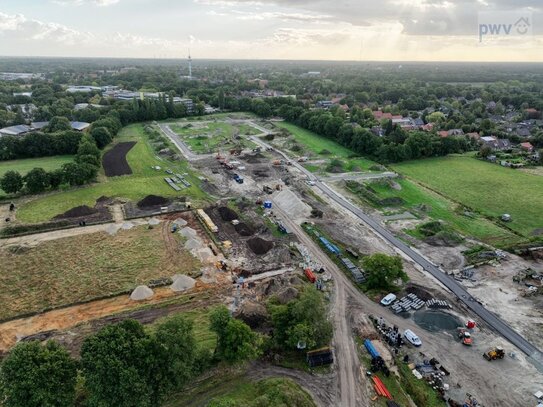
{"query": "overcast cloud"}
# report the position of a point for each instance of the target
(292, 29)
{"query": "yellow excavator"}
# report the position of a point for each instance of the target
(493, 354)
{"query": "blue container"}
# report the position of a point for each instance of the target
(371, 349)
(267, 204)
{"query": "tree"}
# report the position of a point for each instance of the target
(11, 182)
(485, 151)
(58, 123)
(33, 375)
(55, 178)
(176, 339)
(117, 364)
(101, 136)
(36, 180)
(220, 98)
(383, 270)
(235, 340)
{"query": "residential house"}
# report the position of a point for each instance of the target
(532, 113)
(496, 143)
(473, 135)
(527, 146)
(18, 130)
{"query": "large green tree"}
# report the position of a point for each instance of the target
(58, 123)
(36, 180)
(382, 270)
(236, 342)
(34, 375)
(118, 363)
(102, 136)
(11, 182)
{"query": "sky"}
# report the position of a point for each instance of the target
(355, 30)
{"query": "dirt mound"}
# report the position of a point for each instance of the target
(253, 314)
(182, 283)
(77, 212)
(114, 161)
(243, 229)
(153, 200)
(419, 292)
(287, 295)
(259, 246)
(102, 199)
(227, 214)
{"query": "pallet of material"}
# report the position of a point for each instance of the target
(172, 184)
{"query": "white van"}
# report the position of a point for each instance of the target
(412, 338)
(389, 299)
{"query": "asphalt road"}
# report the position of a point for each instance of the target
(491, 319)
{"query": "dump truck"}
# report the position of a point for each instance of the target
(493, 354)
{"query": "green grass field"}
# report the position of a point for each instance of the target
(316, 144)
(209, 137)
(441, 208)
(24, 166)
(486, 188)
(143, 181)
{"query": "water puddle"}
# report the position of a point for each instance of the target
(435, 321)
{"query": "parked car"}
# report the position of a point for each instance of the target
(412, 337)
(389, 299)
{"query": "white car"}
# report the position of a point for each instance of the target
(412, 337)
(389, 299)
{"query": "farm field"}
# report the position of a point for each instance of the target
(24, 166)
(441, 208)
(486, 188)
(317, 144)
(70, 270)
(209, 137)
(143, 181)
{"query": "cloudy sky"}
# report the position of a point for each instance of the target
(273, 29)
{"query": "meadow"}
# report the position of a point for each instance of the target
(143, 181)
(485, 188)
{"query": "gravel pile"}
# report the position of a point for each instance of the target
(180, 222)
(153, 221)
(182, 283)
(227, 214)
(127, 225)
(193, 244)
(113, 229)
(188, 232)
(142, 292)
(259, 246)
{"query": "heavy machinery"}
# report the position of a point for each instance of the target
(493, 354)
(465, 337)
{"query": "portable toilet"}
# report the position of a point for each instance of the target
(267, 204)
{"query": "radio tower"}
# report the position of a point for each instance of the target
(190, 66)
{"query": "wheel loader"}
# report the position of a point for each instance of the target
(493, 354)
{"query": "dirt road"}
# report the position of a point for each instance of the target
(349, 392)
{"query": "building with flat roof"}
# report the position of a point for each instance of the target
(18, 130)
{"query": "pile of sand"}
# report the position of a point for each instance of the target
(112, 229)
(205, 255)
(127, 225)
(182, 283)
(142, 292)
(153, 221)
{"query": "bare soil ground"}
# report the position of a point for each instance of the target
(114, 161)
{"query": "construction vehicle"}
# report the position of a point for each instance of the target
(493, 354)
(276, 162)
(465, 337)
(267, 190)
(238, 179)
(257, 150)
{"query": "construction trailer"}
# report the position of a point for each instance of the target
(320, 357)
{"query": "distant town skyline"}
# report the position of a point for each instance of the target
(389, 30)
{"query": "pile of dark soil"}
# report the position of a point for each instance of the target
(259, 246)
(227, 214)
(153, 200)
(102, 199)
(114, 161)
(252, 158)
(419, 292)
(77, 212)
(261, 173)
(243, 229)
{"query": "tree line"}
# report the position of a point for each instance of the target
(127, 365)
